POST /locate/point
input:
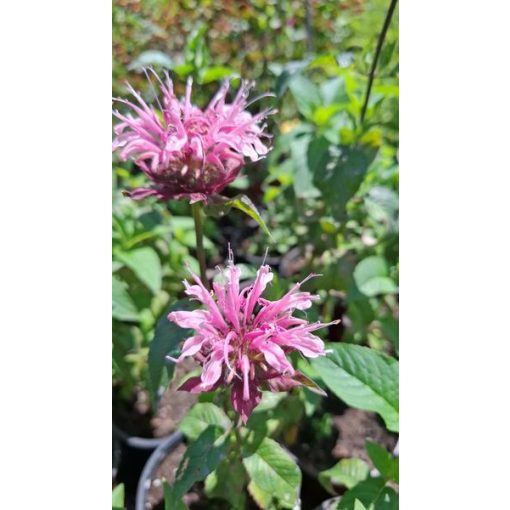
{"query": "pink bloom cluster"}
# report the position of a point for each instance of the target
(187, 152)
(242, 339)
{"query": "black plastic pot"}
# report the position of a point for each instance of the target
(140, 443)
(157, 457)
(130, 454)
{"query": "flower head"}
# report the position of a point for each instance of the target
(242, 339)
(186, 151)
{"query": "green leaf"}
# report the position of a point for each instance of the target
(200, 417)
(362, 378)
(168, 498)
(215, 73)
(145, 263)
(167, 338)
(389, 326)
(262, 498)
(306, 95)
(347, 472)
(273, 471)
(123, 307)
(372, 494)
(201, 459)
(384, 462)
(371, 277)
(228, 482)
(302, 173)
(358, 505)
(339, 181)
(118, 496)
(219, 206)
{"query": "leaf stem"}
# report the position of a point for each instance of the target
(196, 209)
(380, 42)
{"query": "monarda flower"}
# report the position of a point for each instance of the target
(185, 151)
(243, 340)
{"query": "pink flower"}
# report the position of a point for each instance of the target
(242, 339)
(187, 152)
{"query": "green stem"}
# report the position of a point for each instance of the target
(196, 209)
(380, 42)
(238, 442)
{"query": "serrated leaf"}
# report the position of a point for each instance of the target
(347, 472)
(145, 263)
(167, 338)
(201, 458)
(385, 463)
(271, 469)
(202, 415)
(362, 378)
(219, 206)
(371, 277)
(123, 307)
(372, 493)
(118, 496)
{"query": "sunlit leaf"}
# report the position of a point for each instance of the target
(362, 378)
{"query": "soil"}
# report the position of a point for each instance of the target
(356, 426)
(135, 418)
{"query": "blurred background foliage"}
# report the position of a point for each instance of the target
(328, 191)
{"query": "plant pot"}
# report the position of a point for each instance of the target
(166, 446)
(329, 504)
(130, 454)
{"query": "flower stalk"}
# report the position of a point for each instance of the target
(380, 43)
(196, 209)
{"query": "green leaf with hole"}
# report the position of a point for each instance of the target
(145, 264)
(123, 307)
(201, 416)
(362, 378)
(347, 472)
(383, 461)
(272, 470)
(167, 339)
(372, 277)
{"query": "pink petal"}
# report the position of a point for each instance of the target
(186, 319)
(264, 276)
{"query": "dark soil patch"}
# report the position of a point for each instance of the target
(135, 418)
(354, 428)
